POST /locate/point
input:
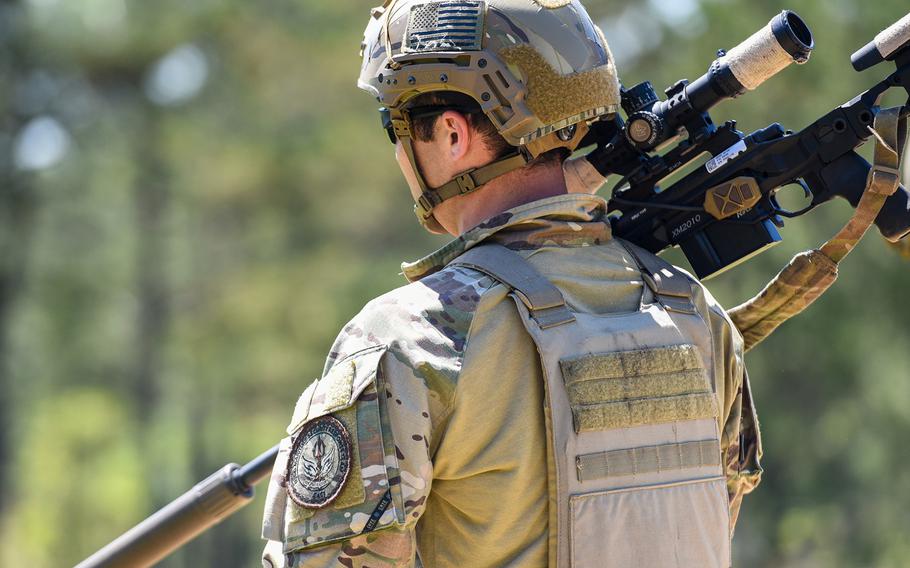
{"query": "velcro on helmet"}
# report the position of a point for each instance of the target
(552, 4)
(559, 98)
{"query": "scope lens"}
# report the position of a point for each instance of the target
(800, 30)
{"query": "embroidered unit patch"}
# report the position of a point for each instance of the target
(320, 463)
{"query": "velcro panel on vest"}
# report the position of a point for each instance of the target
(633, 388)
(627, 413)
(650, 459)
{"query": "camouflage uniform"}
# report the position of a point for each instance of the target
(440, 388)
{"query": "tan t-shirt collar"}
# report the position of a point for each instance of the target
(564, 220)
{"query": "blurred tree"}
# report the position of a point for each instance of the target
(18, 205)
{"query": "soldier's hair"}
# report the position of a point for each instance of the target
(424, 127)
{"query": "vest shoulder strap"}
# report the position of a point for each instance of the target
(672, 288)
(539, 295)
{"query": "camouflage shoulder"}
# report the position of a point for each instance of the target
(365, 428)
(429, 318)
(424, 328)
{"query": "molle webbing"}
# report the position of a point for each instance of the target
(645, 386)
(634, 374)
(543, 299)
(629, 398)
(649, 459)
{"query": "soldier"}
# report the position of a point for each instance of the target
(541, 393)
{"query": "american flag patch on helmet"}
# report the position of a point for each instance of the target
(450, 25)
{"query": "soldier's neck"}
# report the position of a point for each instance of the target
(501, 194)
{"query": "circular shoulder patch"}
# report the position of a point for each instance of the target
(320, 462)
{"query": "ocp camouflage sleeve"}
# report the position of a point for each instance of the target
(742, 451)
(389, 380)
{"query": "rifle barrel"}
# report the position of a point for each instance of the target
(253, 472)
(207, 503)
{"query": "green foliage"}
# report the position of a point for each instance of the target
(77, 455)
(182, 272)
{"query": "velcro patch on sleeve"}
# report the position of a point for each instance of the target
(352, 492)
(325, 505)
(339, 388)
(338, 384)
(320, 463)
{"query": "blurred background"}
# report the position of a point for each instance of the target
(194, 198)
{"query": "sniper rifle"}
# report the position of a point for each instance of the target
(727, 210)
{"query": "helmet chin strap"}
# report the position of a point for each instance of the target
(466, 182)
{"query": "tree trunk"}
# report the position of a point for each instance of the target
(18, 204)
(152, 199)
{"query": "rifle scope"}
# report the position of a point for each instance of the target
(785, 40)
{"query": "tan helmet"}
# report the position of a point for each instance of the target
(539, 69)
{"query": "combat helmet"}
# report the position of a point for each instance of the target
(540, 70)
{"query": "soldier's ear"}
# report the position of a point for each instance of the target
(456, 134)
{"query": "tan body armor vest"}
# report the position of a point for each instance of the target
(635, 473)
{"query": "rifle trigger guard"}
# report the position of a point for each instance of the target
(778, 210)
